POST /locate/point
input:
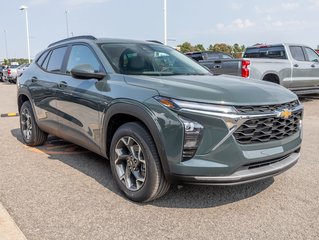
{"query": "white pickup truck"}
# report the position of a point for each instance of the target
(10, 73)
(294, 66)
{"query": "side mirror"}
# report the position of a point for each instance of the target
(86, 71)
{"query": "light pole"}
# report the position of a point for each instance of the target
(67, 22)
(24, 8)
(6, 43)
(165, 24)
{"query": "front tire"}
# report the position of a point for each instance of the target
(135, 163)
(31, 133)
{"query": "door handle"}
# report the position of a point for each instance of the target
(62, 84)
(34, 79)
(296, 65)
(313, 65)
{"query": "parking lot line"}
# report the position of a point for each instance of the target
(8, 228)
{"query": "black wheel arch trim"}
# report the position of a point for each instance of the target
(136, 110)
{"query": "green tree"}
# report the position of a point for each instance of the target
(220, 47)
(186, 47)
(238, 50)
(199, 47)
(6, 62)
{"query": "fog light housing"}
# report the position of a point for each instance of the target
(192, 136)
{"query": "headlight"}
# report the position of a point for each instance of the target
(205, 107)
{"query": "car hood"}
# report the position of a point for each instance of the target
(222, 89)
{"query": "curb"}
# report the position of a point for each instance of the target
(8, 228)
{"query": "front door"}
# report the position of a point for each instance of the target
(79, 101)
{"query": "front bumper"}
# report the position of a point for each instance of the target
(243, 175)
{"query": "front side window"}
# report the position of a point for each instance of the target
(297, 53)
(149, 59)
(82, 55)
(56, 60)
(312, 55)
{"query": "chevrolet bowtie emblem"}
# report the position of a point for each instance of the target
(285, 114)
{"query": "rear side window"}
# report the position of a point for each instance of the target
(312, 55)
(212, 56)
(195, 56)
(56, 60)
(297, 53)
(277, 52)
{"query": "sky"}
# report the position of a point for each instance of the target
(197, 21)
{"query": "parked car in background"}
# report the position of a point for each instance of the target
(10, 73)
(220, 63)
(158, 116)
(1, 72)
(293, 66)
(21, 69)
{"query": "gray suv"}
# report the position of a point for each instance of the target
(158, 116)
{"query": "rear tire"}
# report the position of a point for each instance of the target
(31, 133)
(271, 78)
(135, 163)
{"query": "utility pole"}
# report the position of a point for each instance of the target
(165, 24)
(67, 22)
(6, 43)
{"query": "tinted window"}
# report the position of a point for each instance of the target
(45, 63)
(56, 59)
(195, 56)
(41, 58)
(277, 52)
(312, 55)
(80, 55)
(297, 53)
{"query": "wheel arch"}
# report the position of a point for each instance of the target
(21, 99)
(118, 114)
(271, 77)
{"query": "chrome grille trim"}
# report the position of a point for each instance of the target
(266, 108)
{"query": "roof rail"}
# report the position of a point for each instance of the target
(154, 41)
(89, 37)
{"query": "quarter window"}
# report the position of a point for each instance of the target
(41, 58)
(297, 53)
(81, 55)
(56, 60)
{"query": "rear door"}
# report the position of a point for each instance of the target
(79, 101)
(43, 87)
(313, 59)
(302, 69)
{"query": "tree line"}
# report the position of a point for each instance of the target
(18, 60)
(235, 50)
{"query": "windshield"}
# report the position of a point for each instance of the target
(149, 59)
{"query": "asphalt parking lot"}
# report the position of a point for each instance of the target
(62, 191)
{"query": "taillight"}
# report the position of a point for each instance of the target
(9, 71)
(244, 68)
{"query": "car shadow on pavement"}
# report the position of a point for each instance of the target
(187, 196)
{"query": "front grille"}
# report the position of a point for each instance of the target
(267, 129)
(266, 108)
